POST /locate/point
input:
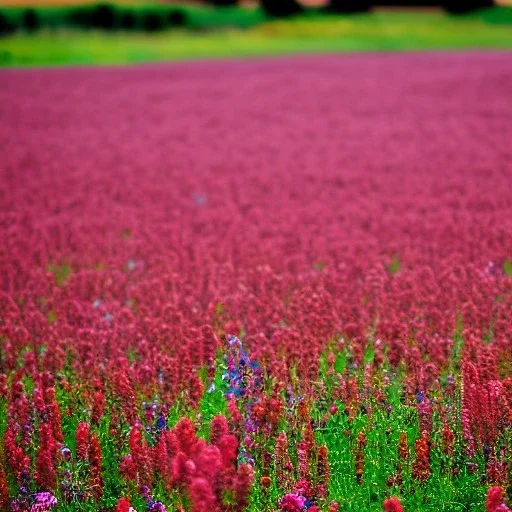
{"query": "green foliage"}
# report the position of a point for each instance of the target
(381, 420)
(61, 272)
(395, 265)
(115, 17)
(458, 345)
(235, 31)
(214, 400)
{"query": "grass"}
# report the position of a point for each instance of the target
(310, 33)
(372, 401)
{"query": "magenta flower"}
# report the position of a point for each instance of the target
(292, 503)
(156, 506)
(38, 502)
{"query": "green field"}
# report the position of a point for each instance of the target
(311, 32)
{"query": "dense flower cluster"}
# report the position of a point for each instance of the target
(272, 284)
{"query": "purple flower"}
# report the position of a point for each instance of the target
(42, 501)
(65, 453)
(156, 506)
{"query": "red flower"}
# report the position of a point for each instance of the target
(4, 489)
(82, 440)
(218, 428)
(322, 471)
(123, 505)
(95, 458)
(243, 484)
(421, 466)
(393, 505)
(202, 496)
(45, 474)
(494, 501)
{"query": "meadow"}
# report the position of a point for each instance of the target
(282, 284)
(207, 33)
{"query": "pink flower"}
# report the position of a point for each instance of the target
(393, 505)
(494, 501)
(292, 503)
(43, 501)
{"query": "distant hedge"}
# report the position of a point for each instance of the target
(102, 16)
(119, 17)
(450, 6)
(152, 18)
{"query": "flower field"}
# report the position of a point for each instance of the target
(276, 285)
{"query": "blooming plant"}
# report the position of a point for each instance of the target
(251, 287)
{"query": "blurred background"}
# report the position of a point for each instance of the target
(62, 32)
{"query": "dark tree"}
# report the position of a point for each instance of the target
(281, 8)
(80, 16)
(103, 16)
(223, 3)
(348, 6)
(461, 7)
(6, 25)
(128, 20)
(31, 21)
(154, 21)
(176, 18)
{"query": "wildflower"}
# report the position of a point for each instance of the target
(156, 506)
(322, 471)
(128, 468)
(228, 446)
(233, 341)
(284, 466)
(448, 440)
(243, 484)
(18, 461)
(265, 481)
(65, 453)
(421, 466)
(304, 488)
(202, 495)
(123, 505)
(140, 455)
(53, 413)
(200, 199)
(98, 407)
(95, 457)
(425, 415)
(42, 501)
(161, 423)
(4, 489)
(82, 440)
(494, 501)
(292, 503)
(496, 471)
(359, 456)
(392, 505)
(303, 454)
(45, 474)
(235, 415)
